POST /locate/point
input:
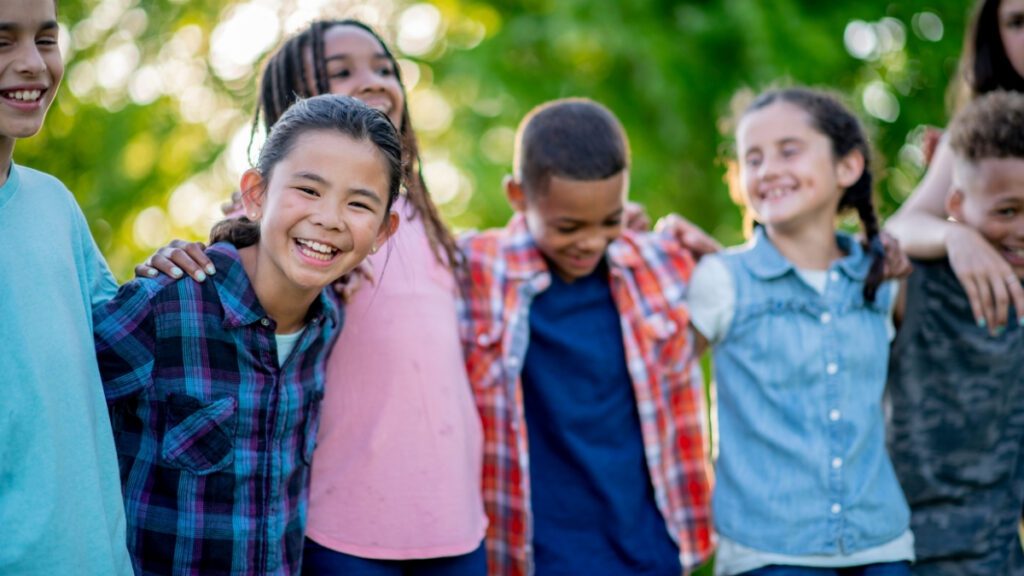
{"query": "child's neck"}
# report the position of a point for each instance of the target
(7, 155)
(287, 304)
(807, 247)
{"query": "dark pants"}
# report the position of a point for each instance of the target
(318, 560)
(883, 569)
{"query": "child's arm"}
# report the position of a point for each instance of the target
(689, 235)
(712, 301)
(176, 257)
(125, 336)
(922, 227)
(101, 283)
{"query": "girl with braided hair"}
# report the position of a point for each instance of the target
(800, 321)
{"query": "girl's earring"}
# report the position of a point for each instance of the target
(373, 249)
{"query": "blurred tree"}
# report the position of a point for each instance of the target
(150, 128)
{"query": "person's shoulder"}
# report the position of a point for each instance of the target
(483, 246)
(652, 250)
(43, 183)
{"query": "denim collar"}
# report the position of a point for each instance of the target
(765, 261)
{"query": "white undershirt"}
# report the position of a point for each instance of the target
(286, 343)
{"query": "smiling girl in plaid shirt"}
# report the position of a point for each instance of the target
(215, 387)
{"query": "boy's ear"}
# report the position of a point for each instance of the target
(955, 203)
(253, 190)
(850, 168)
(514, 193)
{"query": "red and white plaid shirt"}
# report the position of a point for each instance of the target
(649, 275)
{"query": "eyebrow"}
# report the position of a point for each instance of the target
(14, 26)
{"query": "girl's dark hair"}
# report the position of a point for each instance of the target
(984, 65)
(834, 120)
(286, 79)
(327, 113)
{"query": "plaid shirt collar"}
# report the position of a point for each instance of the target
(238, 297)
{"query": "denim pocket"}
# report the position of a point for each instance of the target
(198, 436)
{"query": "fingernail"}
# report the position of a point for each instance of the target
(999, 331)
(981, 322)
(152, 272)
(210, 269)
(176, 272)
(200, 276)
(1020, 321)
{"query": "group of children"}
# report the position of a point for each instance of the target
(525, 400)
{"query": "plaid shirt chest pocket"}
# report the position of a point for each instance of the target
(198, 435)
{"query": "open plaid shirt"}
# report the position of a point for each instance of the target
(214, 439)
(649, 276)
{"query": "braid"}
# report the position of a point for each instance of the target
(860, 198)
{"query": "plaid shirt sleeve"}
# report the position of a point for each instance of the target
(124, 331)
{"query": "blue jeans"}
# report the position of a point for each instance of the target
(318, 560)
(883, 569)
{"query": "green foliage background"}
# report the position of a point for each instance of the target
(668, 69)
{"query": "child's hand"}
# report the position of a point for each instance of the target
(636, 217)
(988, 279)
(176, 257)
(347, 285)
(688, 234)
(897, 264)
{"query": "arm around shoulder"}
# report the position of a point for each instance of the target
(921, 223)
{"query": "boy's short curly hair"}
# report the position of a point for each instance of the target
(990, 126)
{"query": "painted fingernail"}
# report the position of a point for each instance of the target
(176, 272)
(152, 272)
(200, 276)
(210, 269)
(998, 331)
(1020, 321)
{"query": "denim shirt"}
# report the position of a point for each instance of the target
(800, 380)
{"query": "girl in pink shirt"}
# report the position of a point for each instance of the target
(396, 472)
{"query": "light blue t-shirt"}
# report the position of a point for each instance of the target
(60, 495)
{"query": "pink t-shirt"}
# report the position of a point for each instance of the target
(396, 472)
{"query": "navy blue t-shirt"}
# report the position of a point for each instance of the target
(593, 503)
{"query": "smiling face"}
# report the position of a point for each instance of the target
(787, 169)
(358, 66)
(1011, 32)
(322, 210)
(988, 195)
(30, 65)
(573, 221)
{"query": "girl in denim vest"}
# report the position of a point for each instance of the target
(800, 323)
